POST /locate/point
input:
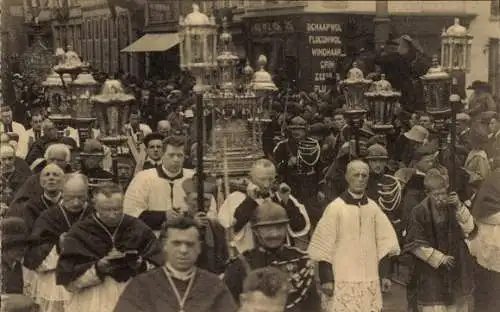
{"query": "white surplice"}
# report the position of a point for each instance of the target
(354, 239)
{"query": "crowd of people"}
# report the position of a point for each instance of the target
(322, 223)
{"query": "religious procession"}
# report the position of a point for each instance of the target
(230, 188)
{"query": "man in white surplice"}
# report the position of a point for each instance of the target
(352, 236)
(236, 210)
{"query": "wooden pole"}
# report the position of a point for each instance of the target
(199, 149)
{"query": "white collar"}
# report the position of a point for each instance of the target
(355, 196)
(183, 276)
(53, 199)
(170, 174)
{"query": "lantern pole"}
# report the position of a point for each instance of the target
(456, 44)
(198, 40)
(354, 88)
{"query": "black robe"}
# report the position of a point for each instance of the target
(46, 233)
(303, 296)
(214, 248)
(87, 242)
(37, 150)
(152, 292)
(31, 210)
(439, 286)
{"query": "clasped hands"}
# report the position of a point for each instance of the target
(106, 264)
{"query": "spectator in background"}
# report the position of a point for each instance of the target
(481, 100)
(8, 125)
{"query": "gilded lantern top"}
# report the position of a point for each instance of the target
(262, 80)
(85, 78)
(356, 76)
(52, 80)
(248, 70)
(436, 72)
(196, 18)
(225, 39)
(113, 91)
(456, 30)
(382, 88)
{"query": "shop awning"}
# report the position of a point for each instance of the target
(153, 43)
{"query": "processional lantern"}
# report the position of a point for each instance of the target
(234, 144)
(354, 87)
(382, 101)
(112, 107)
(61, 94)
(437, 89)
(456, 42)
(198, 46)
(263, 85)
(84, 87)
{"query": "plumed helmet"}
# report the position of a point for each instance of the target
(297, 123)
(377, 151)
(269, 213)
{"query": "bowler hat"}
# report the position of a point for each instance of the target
(476, 84)
(269, 213)
(297, 123)
(377, 151)
(319, 129)
(425, 150)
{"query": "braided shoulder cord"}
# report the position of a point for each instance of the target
(307, 151)
(393, 195)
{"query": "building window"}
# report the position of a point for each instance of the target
(495, 8)
(494, 65)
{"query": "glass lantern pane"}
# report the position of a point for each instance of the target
(196, 48)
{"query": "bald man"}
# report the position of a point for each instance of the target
(164, 127)
(51, 181)
(49, 230)
(38, 148)
(350, 220)
(236, 210)
(13, 170)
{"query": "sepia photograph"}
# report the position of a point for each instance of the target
(250, 156)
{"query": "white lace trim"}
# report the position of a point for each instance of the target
(355, 297)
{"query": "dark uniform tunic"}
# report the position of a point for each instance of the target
(304, 176)
(303, 296)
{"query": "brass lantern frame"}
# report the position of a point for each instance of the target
(382, 101)
(456, 43)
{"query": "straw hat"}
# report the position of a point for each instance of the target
(417, 133)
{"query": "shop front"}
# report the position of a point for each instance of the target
(304, 50)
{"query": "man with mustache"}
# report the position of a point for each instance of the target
(269, 223)
(237, 209)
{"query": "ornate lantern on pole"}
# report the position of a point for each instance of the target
(198, 50)
(354, 88)
(382, 101)
(234, 145)
(456, 42)
(437, 90)
(112, 107)
(84, 87)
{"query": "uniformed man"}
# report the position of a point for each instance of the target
(269, 224)
(297, 163)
